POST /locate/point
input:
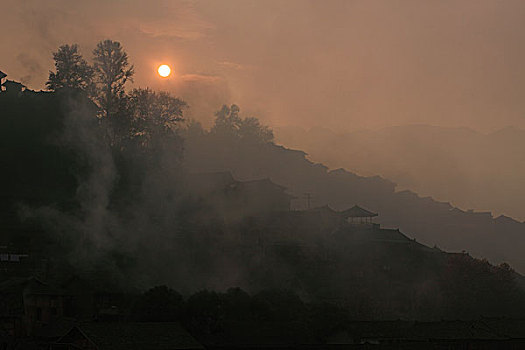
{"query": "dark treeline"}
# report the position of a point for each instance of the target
(102, 185)
(235, 316)
(93, 168)
(138, 117)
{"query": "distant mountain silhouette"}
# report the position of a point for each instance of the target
(500, 239)
(465, 167)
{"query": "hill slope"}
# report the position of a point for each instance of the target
(460, 165)
(500, 239)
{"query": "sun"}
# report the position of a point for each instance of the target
(164, 70)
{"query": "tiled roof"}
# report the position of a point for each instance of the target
(357, 212)
(137, 335)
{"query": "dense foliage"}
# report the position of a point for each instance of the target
(235, 316)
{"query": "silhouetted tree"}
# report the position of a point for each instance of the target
(71, 70)
(283, 310)
(154, 113)
(159, 304)
(229, 124)
(237, 304)
(193, 129)
(474, 288)
(205, 313)
(227, 121)
(251, 129)
(112, 72)
(326, 319)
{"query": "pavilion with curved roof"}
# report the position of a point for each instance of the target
(358, 215)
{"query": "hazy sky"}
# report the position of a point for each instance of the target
(341, 64)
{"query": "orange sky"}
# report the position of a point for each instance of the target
(341, 64)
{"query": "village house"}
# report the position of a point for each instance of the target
(358, 216)
(13, 87)
(27, 304)
(13, 263)
(2, 77)
(10, 87)
(239, 198)
(127, 335)
(263, 194)
(90, 297)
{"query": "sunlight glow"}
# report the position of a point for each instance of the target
(164, 70)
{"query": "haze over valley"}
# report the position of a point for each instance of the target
(262, 174)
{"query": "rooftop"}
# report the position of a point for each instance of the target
(134, 335)
(357, 212)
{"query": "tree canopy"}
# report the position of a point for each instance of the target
(228, 123)
(112, 72)
(71, 70)
(154, 113)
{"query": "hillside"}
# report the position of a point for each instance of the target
(459, 165)
(129, 217)
(500, 239)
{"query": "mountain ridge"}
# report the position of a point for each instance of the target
(459, 165)
(430, 221)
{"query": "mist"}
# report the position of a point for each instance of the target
(347, 66)
(343, 65)
(306, 172)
